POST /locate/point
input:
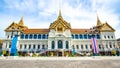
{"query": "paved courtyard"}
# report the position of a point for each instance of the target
(60, 62)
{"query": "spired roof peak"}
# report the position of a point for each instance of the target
(98, 21)
(60, 22)
(60, 14)
(21, 22)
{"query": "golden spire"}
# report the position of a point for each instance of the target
(21, 22)
(98, 21)
(60, 14)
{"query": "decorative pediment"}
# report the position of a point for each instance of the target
(60, 24)
(15, 26)
(107, 27)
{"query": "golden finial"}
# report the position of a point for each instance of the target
(98, 20)
(21, 22)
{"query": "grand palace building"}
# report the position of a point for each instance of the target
(60, 39)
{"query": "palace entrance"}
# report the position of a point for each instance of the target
(59, 53)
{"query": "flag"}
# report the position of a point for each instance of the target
(14, 44)
(94, 45)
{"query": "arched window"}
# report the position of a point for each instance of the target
(39, 36)
(77, 46)
(85, 36)
(86, 46)
(29, 46)
(20, 46)
(34, 46)
(22, 36)
(67, 45)
(38, 46)
(99, 46)
(43, 36)
(43, 46)
(60, 44)
(90, 46)
(25, 46)
(26, 36)
(110, 46)
(30, 37)
(53, 45)
(81, 46)
(72, 36)
(35, 36)
(81, 36)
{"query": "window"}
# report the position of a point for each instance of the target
(108, 37)
(34, 46)
(10, 45)
(43, 36)
(72, 36)
(60, 44)
(89, 37)
(112, 37)
(20, 46)
(39, 36)
(80, 36)
(35, 36)
(110, 46)
(105, 37)
(81, 46)
(47, 36)
(8, 36)
(106, 46)
(77, 46)
(30, 37)
(25, 46)
(85, 36)
(67, 45)
(43, 46)
(98, 36)
(26, 36)
(76, 36)
(29, 46)
(86, 46)
(53, 45)
(22, 36)
(90, 46)
(38, 46)
(99, 46)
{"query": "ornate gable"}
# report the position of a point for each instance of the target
(60, 24)
(107, 27)
(14, 25)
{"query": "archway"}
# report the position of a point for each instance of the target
(60, 44)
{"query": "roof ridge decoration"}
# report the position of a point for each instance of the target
(98, 21)
(60, 23)
(21, 22)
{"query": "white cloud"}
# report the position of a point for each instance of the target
(81, 14)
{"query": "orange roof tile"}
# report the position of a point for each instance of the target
(36, 31)
(82, 31)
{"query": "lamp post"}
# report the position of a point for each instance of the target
(14, 36)
(94, 31)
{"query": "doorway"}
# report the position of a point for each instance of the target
(59, 53)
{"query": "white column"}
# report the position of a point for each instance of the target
(64, 44)
(56, 45)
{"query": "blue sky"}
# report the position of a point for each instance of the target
(40, 13)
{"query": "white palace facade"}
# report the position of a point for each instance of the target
(60, 39)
